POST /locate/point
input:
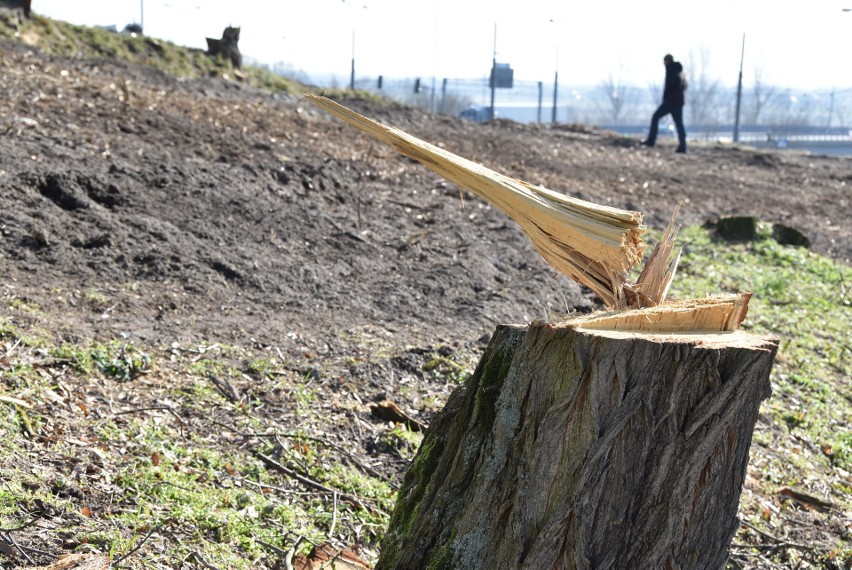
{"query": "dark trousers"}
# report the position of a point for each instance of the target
(676, 112)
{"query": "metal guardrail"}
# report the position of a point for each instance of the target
(797, 138)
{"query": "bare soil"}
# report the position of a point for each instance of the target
(170, 212)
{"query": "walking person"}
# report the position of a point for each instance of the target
(674, 97)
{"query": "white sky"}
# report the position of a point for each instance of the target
(803, 44)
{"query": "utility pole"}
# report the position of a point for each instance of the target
(739, 95)
(540, 92)
(830, 112)
(555, 73)
(443, 95)
(352, 74)
(493, 72)
(555, 94)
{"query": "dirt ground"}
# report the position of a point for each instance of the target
(136, 205)
(209, 210)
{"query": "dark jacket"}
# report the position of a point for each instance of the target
(675, 87)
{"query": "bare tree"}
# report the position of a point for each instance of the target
(787, 111)
(840, 113)
(619, 98)
(702, 91)
(761, 94)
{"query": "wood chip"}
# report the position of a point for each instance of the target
(390, 412)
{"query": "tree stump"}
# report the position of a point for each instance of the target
(578, 448)
(618, 440)
(228, 47)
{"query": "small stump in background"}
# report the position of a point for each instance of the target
(228, 47)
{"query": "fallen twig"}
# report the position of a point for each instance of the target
(141, 543)
(200, 559)
(310, 482)
(168, 484)
(288, 559)
(23, 526)
(779, 543)
(181, 423)
(225, 388)
(333, 519)
(259, 485)
(8, 538)
(279, 551)
(16, 401)
(12, 348)
(349, 455)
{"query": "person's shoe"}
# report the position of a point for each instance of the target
(647, 143)
(681, 150)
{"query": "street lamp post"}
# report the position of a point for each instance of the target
(739, 96)
(352, 74)
(352, 68)
(494, 71)
(555, 74)
(555, 89)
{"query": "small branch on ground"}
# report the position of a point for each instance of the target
(780, 544)
(310, 482)
(349, 455)
(141, 542)
(333, 519)
(7, 537)
(288, 559)
(200, 559)
(23, 526)
(181, 423)
(225, 388)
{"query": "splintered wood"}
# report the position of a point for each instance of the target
(714, 314)
(592, 244)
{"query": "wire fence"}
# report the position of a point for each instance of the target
(781, 113)
(817, 120)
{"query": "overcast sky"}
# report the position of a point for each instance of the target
(804, 45)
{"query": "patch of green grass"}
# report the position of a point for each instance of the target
(11, 336)
(164, 471)
(401, 440)
(206, 366)
(262, 367)
(115, 359)
(96, 300)
(448, 369)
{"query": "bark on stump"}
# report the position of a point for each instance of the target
(578, 448)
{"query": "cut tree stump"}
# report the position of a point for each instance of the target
(574, 447)
(618, 440)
